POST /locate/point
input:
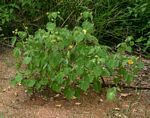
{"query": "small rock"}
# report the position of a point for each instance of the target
(85, 93)
(58, 105)
(117, 115)
(77, 103)
(8, 88)
(13, 101)
(101, 100)
(4, 90)
(16, 94)
(117, 109)
(51, 99)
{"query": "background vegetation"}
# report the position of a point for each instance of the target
(114, 20)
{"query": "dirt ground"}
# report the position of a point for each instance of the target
(15, 103)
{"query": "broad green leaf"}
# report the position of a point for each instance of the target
(122, 47)
(79, 70)
(44, 81)
(97, 70)
(105, 72)
(116, 80)
(69, 92)
(112, 63)
(111, 94)
(131, 43)
(129, 38)
(50, 26)
(17, 52)
(60, 78)
(54, 14)
(129, 49)
(140, 39)
(128, 78)
(66, 70)
(56, 87)
(91, 40)
(97, 86)
(88, 26)
(38, 86)
(22, 35)
(18, 65)
(84, 85)
(91, 51)
(30, 91)
(54, 59)
(102, 52)
(78, 36)
(14, 39)
(18, 78)
(65, 33)
(87, 15)
(27, 60)
(72, 76)
(140, 65)
(124, 62)
(147, 46)
(29, 83)
(89, 78)
(91, 64)
(77, 92)
(123, 71)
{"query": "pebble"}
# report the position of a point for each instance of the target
(58, 105)
(77, 103)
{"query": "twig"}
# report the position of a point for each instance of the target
(127, 87)
(103, 81)
(7, 45)
(67, 18)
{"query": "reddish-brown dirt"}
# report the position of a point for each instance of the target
(15, 103)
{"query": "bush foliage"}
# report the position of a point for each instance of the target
(70, 61)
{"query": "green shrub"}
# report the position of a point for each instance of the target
(114, 20)
(70, 61)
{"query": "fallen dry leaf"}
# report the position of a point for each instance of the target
(73, 98)
(57, 95)
(9, 88)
